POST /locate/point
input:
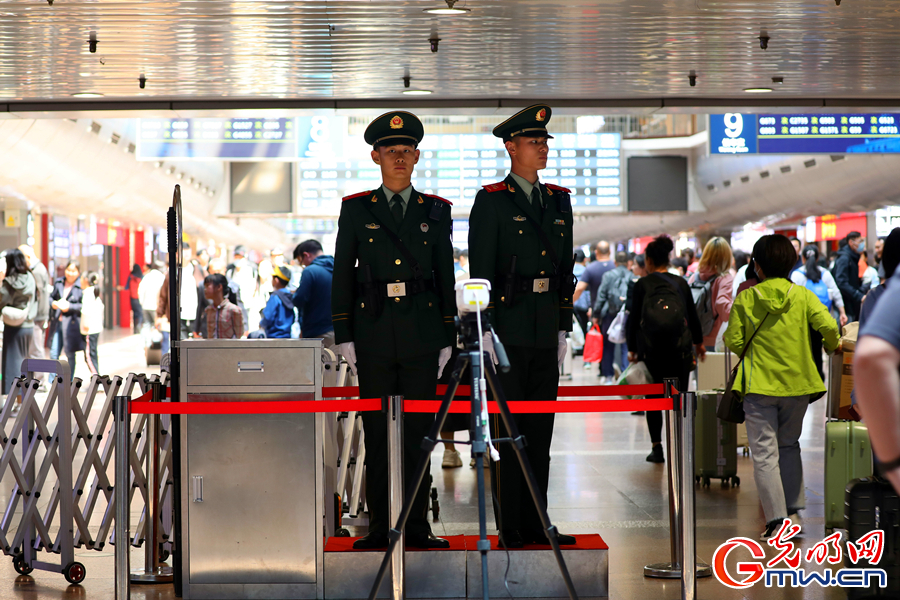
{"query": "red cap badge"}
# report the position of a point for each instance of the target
(541, 115)
(396, 122)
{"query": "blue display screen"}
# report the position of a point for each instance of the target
(236, 138)
(736, 133)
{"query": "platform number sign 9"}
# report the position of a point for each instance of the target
(732, 133)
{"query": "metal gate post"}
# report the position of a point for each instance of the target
(688, 523)
(395, 492)
(122, 487)
(153, 571)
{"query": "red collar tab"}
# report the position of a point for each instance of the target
(558, 188)
(495, 187)
(359, 195)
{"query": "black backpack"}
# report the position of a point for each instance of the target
(664, 327)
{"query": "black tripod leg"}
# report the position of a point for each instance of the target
(479, 451)
(412, 487)
(518, 446)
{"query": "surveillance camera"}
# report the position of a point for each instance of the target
(692, 79)
(434, 43)
(142, 81)
(836, 2)
(92, 42)
(50, 2)
(763, 41)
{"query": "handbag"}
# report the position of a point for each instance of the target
(731, 407)
(593, 345)
(14, 317)
(616, 331)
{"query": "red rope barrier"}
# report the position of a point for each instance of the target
(565, 391)
(254, 408)
(538, 407)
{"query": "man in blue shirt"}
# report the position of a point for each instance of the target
(313, 295)
(590, 281)
(278, 315)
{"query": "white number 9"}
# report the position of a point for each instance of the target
(734, 124)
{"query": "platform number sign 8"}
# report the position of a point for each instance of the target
(734, 124)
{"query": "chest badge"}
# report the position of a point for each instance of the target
(519, 219)
(424, 227)
(373, 226)
(559, 222)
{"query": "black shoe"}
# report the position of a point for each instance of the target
(372, 541)
(426, 540)
(638, 413)
(538, 536)
(511, 538)
(656, 455)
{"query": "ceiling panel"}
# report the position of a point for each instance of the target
(361, 49)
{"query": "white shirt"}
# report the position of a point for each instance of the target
(148, 290)
(91, 312)
(188, 293)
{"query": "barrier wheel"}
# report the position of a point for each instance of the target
(341, 532)
(163, 553)
(697, 479)
(706, 482)
(74, 572)
(736, 481)
(19, 564)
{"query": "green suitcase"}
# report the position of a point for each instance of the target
(848, 456)
(715, 443)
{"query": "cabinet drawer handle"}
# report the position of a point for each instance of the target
(197, 488)
(253, 367)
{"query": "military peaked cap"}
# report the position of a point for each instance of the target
(396, 127)
(528, 122)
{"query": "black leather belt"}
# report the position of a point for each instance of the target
(399, 289)
(537, 285)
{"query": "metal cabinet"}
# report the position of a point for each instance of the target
(252, 487)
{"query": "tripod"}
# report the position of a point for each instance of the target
(474, 359)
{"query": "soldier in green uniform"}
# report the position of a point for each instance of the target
(520, 238)
(393, 305)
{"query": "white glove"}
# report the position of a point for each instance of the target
(443, 357)
(561, 348)
(487, 345)
(348, 351)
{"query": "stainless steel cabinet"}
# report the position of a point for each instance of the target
(252, 484)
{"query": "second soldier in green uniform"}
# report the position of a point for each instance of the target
(520, 239)
(393, 306)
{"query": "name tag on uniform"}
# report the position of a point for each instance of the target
(396, 290)
(373, 226)
(541, 285)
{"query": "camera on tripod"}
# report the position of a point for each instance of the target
(472, 297)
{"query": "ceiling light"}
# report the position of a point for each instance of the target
(416, 92)
(85, 74)
(447, 11)
(179, 176)
(758, 90)
(87, 95)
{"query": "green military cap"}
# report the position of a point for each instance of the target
(528, 122)
(396, 127)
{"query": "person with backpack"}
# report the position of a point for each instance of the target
(662, 329)
(610, 298)
(821, 283)
(711, 289)
(777, 380)
(278, 315)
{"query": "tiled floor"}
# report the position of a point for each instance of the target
(600, 483)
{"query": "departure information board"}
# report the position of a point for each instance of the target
(331, 163)
(736, 133)
(216, 139)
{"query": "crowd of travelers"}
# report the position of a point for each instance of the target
(782, 307)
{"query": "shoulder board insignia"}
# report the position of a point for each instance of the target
(495, 187)
(558, 188)
(373, 226)
(444, 200)
(359, 195)
(520, 218)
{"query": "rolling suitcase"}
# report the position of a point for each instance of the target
(848, 456)
(871, 503)
(715, 443)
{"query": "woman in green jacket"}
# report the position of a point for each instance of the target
(778, 377)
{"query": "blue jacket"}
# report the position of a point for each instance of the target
(313, 297)
(278, 315)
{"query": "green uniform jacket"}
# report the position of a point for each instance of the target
(410, 325)
(497, 232)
